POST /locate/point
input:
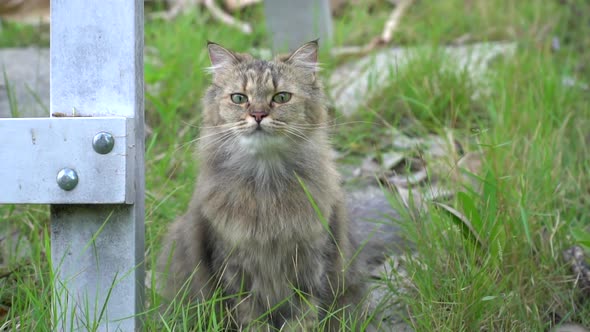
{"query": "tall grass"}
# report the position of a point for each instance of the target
(533, 190)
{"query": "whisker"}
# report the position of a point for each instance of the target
(235, 131)
(291, 138)
(230, 139)
(239, 123)
(206, 144)
(290, 130)
(213, 127)
(202, 137)
(297, 133)
(325, 125)
(235, 126)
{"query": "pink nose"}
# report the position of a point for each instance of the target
(258, 116)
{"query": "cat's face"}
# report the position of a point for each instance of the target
(261, 102)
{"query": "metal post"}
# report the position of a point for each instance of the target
(98, 250)
(292, 23)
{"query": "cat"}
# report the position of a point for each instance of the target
(268, 216)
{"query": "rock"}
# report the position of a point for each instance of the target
(576, 259)
(571, 82)
(391, 159)
(569, 327)
(373, 224)
(408, 180)
(27, 74)
(404, 143)
(15, 247)
(352, 83)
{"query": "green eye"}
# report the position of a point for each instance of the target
(238, 98)
(281, 97)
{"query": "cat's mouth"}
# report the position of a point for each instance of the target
(259, 128)
(260, 131)
(266, 127)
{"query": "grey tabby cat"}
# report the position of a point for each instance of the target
(267, 218)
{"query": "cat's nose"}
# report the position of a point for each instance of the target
(259, 115)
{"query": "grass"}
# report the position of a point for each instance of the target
(14, 34)
(532, 131)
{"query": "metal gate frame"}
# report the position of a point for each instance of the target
(87, 159)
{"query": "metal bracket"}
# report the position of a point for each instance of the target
(67, 160)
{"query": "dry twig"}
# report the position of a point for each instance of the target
(388, 29)
(224, 17)
(233, 5)
(178, 7)
(33, 12)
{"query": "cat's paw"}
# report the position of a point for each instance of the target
(299, 325)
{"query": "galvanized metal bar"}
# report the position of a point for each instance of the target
(36, 150)
(292, 23)
(98, 250)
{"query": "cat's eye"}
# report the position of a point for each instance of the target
(281, 97)
(238, 98)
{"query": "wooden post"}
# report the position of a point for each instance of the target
(98, 250)
(292, 23)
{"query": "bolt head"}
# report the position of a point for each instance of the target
(103, 142)
(67, 179)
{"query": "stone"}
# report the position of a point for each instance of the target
(353, 83)
(374, 226)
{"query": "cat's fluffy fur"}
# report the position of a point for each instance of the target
(251, 226)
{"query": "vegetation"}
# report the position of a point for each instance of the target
(532, 129)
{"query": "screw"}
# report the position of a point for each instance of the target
(103, 142)
(67, 179)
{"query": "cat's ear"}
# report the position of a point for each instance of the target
(305, 56)
(220, 57)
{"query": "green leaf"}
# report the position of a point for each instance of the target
(471, 212)
(525, 225)
(464, 223)
(489, 298)
(490, 192)
(581, 236)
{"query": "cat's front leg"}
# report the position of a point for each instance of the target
(303, 315)
(247, 315)
(300, 325)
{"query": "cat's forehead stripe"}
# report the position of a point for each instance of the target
(260, 74)
(275, 79)
(244, 82)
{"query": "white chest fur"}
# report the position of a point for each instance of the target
(262, 145)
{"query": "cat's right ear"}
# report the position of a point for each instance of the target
(220, 57)
(306, 56)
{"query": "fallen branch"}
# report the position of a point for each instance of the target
(233, 5)
(386, 36)
(394, 19)
(33, 12)
(178, 7)
(224, 17)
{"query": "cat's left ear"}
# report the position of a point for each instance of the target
(305, 56)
